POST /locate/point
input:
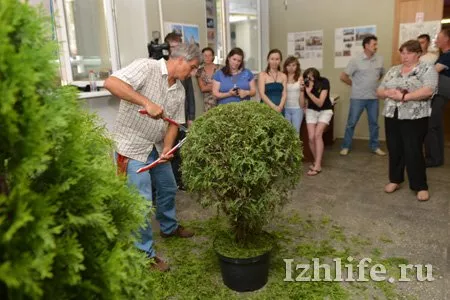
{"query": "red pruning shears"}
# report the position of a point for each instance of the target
(171, 151)
(182, 127)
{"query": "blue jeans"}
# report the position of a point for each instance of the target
(166, 189)
(294, 116)
(356, 108)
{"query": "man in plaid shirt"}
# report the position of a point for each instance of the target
(154, 85)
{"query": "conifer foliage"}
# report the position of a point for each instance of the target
(65, 218)
(243, 158)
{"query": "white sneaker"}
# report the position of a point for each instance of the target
(344, 151)
(379, 152)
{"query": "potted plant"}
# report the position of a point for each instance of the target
(242, 158)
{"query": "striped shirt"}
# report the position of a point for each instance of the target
(423, 75)
(135, 135)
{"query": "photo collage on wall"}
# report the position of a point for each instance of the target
(307, 46)
(348, 43)
(211, 24)
(410, 31)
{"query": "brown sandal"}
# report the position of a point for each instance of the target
(313, 172)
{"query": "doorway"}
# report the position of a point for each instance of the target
(239, 23)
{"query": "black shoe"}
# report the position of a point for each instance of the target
(427, 165)
(430, 164)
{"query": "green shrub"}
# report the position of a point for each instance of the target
(65, 217)
(243, 158)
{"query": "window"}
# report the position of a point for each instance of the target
(87, 35)
(244, 30)
(242, 23)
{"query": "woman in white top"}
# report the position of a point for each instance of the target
(295, 105)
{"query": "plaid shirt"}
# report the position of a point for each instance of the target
(136, 134)
(423, 75)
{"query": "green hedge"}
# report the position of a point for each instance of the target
(65, 217)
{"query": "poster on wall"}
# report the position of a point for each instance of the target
(210, 23)
(210, 8)
(189, 32)
(307, 46)
(348, 43)
(211, 36)
(410, 31)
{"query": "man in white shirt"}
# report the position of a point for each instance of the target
(426, 56)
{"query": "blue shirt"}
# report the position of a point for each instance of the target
(241, 80)
(444, 59)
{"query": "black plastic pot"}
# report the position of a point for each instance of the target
(245, 274)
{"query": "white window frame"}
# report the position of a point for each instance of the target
(64, 53)
(263, 37)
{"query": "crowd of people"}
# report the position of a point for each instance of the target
(414, 92)
(286, 91)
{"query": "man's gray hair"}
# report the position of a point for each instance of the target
(187, 51)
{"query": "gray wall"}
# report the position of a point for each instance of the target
(302, 15)
(188, 12)
(132, 30)
(184, 11)
(105, 107)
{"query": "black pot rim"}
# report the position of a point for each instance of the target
(243, 261)
(246, 260)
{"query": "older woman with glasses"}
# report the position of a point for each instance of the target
(407, 89)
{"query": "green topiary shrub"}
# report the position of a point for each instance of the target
(243, 158)
(65, 217)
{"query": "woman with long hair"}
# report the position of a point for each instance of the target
(318, 115)
(295, 106)
(272, 82)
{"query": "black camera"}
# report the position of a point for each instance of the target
(156, 50)
(306, 81)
